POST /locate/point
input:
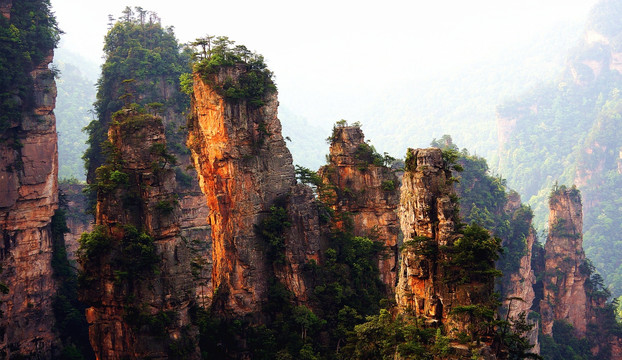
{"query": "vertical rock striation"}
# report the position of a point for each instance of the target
(138, 280)
(368, 190)
(518, 286)
(434, 284)
(565, 276)
(28, 199)
(426, 215)
(244, 168)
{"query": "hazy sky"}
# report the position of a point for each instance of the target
(326, 43)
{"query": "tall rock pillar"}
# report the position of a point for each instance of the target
(565, 276)
(244, 170)
(137, 279)
(368, 190)
(440, 283)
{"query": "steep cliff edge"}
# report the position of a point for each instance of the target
(434, 283)
(365, 188)
(245, 170)
(28, 188)
(28, 199)
(137, 278)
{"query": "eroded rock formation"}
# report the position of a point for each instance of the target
(28, 199)
(138, 280)
(427, 287)
(564, 283)
(518, 286)
(363, 186)
(244, 169)
(426, 213)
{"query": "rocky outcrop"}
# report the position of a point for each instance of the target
(138, 283)
(244, 168)
(426, 214)
(428, 218)
(565, 273)
(361, 185)
(28, 199)
(518, 286)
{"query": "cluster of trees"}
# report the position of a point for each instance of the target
(215, 53)
(142, 58)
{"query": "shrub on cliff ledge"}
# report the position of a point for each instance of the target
(253, 84)
(472, 257)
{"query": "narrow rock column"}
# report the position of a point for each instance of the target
(426, 215)
(565, 276)
(367, 190)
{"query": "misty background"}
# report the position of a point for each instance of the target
(408, 71)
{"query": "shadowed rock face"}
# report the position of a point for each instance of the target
(28, 199)
(368, 191)
(244, 167)
(124, 297)
(564, 282)
(518, 287)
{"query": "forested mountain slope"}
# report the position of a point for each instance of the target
(567, 131)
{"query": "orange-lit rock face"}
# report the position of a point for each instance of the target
(28, 199)
(368, 192)
(428, 221)
(425, 210)
(243, 167)
(564, 292)
(5, 8)
(140, 201)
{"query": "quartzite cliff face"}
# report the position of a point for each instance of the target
(429, 222)
(426, 211)
(564, 283)
(28, 199)
(137, 281)
(244, 169)
(368, 191)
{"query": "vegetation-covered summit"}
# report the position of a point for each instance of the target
(252, 84)
(143, 61)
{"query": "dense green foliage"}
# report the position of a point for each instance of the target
(30, 36)
(271, 230)
(472, 257)
(563, 345)
(143, 59)
(68, 311)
